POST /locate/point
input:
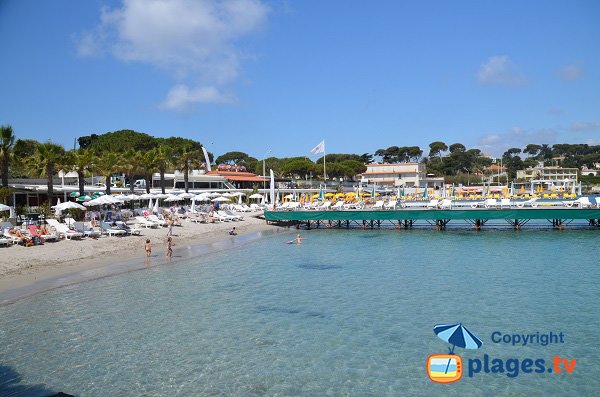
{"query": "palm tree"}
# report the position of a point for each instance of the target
(185, 161)
(80, 161)
(163, 157)
(45, 161)
(147, 167)
(7, 142)
(131, 165)
(107, 164)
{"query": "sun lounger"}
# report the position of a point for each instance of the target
(63, 230)
(324, 206)
(445, 204)
(111, 230)
(491, 203)
(86, 231)
(505, 203)
(128, 230)
(378, 205)
(255, 207)
(581, 202)
(145, 222)
(338, 206)
(529, 203)
(156, 219)
(230, 215)
(33, 230)
(433, 203)
(13, 239)
(5, 242)
(390, 205)
(355, 206)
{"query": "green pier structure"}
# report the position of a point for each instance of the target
(406, 218)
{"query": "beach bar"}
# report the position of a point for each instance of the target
(406, 218)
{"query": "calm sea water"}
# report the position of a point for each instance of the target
(345, 313)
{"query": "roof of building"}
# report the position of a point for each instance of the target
(238, 176)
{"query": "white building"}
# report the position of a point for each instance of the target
(402, 174)
(552, 177)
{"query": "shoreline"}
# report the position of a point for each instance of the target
(28, 271)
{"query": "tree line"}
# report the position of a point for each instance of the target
(138, 156)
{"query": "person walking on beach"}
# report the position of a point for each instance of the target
(148, 248)
(169, 248)
(169, 227)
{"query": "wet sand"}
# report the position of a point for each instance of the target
(28, 270)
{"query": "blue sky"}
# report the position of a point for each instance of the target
(256, 76)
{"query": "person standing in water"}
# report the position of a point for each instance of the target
(298, 239)
(169, 248)
(148, 248)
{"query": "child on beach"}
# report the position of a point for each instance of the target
(232, 232)
(169, 247)
(148, 248)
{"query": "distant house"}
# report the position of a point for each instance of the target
(585, 171)
(401, 174)
(550, 176)
(239, 179)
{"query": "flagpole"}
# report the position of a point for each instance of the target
(324, 155)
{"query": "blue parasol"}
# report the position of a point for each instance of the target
(457, 335)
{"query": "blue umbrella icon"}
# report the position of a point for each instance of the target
(457, 335)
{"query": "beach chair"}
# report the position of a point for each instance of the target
(34, 231)
(445, 204)
(378, 205)
(145, 222)
(532, 202)
(355, 206)
(13, 239)
(63, 230)
(433, 203)
(110, 230)
(324, 206)
(478, 204)
(255, 207)
(505, 203)
(338, 206)
(390, 205)
(491, 203)
(86, 231)
(130, 231)
(156, 219)
(581, 202)
(229, 215)
(5, 242)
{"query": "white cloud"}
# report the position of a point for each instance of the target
(193, 41)
(571, 72)
(180, 96)
(500, 70)
(496, 144)
(583, 126)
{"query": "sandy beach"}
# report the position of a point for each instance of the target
(23, 267)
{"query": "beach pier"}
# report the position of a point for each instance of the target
(517, 218)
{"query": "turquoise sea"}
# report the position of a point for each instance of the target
(346, 313)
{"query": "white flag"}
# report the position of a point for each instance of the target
(320, 148)
(206, 158)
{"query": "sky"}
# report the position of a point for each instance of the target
(274, 78)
